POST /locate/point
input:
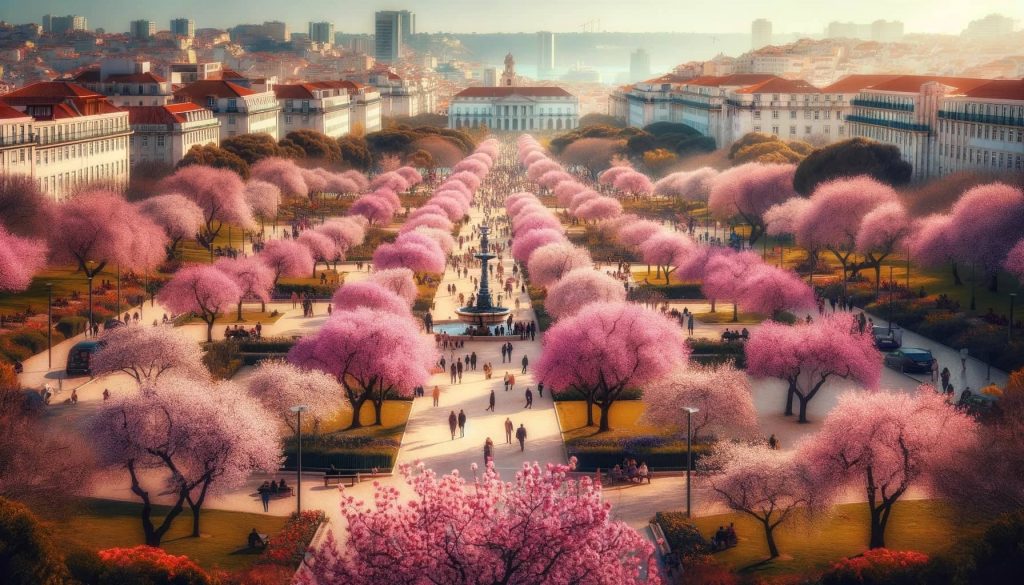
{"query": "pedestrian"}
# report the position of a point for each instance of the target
(472, 361)
(935, 370)
(526, 362)
(462, 423)
(488, 451)
(944, 376)
(74, 396)
(453, 421)
(295, 298)
(264, 491)
(454, 373)
(436, 394)
(529, 398)
(540, 389)
(521, 437)
(503, 350)
(458, 369)
(490, 401)
(443, 363)
(106, 394)
(773, 443)
(330, 309)
(511, 381)
(963, 358)
(689, 325)
(508, 430)
(506, 381)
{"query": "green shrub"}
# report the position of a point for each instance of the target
(71, 325)
(33, 340)
(682, 536)
(573, 394)
(266, 345)
(315, 290)
(669, 455)
(343, 451)
(28, 555)
(223, 359)
(943, 326)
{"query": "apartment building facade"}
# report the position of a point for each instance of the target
(165, 134)
(314, 106)
(240, 110)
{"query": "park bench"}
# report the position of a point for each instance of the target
(337, 479)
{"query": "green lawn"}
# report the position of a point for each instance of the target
(807, 546)
(724, 317)
(394, 415)
(251, 317)
(624, 419)
(103, 524)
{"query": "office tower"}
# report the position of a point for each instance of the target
(490, 77)
(639, 65)
(545, 54)
(389, 41)
(276, 30)
(321, 32)
(183, 27)
(760, 33)
(408, 25)
(142, 29)
(64, 24)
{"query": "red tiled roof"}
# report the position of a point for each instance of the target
(169, 114)
(226, 73)
(855, 83)
(496, 92)
(136, 78)
(780, 85)
(50, 90)
(299, 91)
(198, 91)
(87, 76)
(913, 83)
(999, 89)
(735, 80)
(667, 78)
(9, 113)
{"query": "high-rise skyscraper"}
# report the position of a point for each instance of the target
(64, 24)
(639, 65)
(142, 29)
(183, 27)
(408, 25)
(545, 54)
(760, 33)
(321, 32)
(389, 39)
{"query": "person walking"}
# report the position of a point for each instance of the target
(488, 451)
(472, 361)
(443, 365)
(540, 388)
(502, 353)
(526, 362)
(511, 381)
(453, 372)
(944, 377)
(689, 325)
(490, 401)
(453, 421)
(963, 359)
(508, 430)
(521, 437)
(458, 368)
(462, 423)
(935, 370)
(265, 496)
(529, 398)
(437, 394)
(506, 381)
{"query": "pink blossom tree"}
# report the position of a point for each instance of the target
(665, 250)
(687, 185)
(551, 179)
(609, 176)
(608, 347)
(264, 199)
(988, 222)
(770, 291)
(321, 247)
(283, 173)
(637, 232)
(443, 238)
(931, 243)
(316, 181)
(255, 279)
(524, 244)
(20, 258)
(147, 353)
(535, 221)
(345, 232)
(881, 230)
(579, 288)
(471, 181)
(411, 175)
(808, 356)
(537, 170)
(582, 198)
(374, 355)
(1015, 260)
(358, 178)
(541, 527)
(781, 218)
(634, 184)
(598, 209)
(769, 485)
(725, 278)
(203, 290)
(220, 193)
(376, 209)
(397, 280)
(887, 442)
(178, 215)
(565, 190)
(440, 222)
(391, 181)
(551, 262)
(749, 190)
(371, 295)
(279, 385)
(453, 208)
(721, 394)
(286, 258)
(414, 255)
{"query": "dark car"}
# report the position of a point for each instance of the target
(910, 359)
(887, 337)
(80, 358)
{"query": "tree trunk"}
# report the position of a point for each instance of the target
(803, 407)
(769, 536)
(239, 310)
(735, 312)
(956, 275)
(197, 506)
(590, 411)
(878, 520)
(209, 329)
(605, 409)
(357, 409)
(789, 399)
(378, 408)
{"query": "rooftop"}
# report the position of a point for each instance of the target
(496, 92)
(170, 114)
(198, 91)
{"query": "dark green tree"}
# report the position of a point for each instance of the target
(857, 156)
(355, 152)
(252, 147)
(316, 144)
(28, 555)
(215, 156)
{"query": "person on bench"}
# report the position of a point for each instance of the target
(617, 474)
(643, 473)
(257, 540)
(730, 535)
(283, 488)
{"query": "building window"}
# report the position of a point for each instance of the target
(160, 140)
(231, 120)
(775, 114)
(792, 130)
(775, 130)
(792, 114)
(757, 114)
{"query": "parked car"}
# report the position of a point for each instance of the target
(80, 358)
(910, 359)
(887, 337)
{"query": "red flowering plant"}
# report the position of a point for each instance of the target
(153, 563)
(875, 567)
(288, 547)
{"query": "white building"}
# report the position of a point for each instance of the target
(240, 110)
(983, 129)
(127, 83)
(403, 97)
(166, 133)
(760, 33)
(314, 106)
(69, 135)
(545, 54)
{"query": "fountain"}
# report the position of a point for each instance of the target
(483, 313)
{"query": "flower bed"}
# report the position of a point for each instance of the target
(877, 567)
(288, 547)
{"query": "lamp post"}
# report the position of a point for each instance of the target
(298, 410)
(89, 274)
(1013, 297)
(891, 287)
(689, 454)
(49, 325)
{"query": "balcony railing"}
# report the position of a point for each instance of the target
(16, 140)
(889, 123)
(883, 105)
(982, 118)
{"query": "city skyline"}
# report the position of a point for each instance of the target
(561, 16)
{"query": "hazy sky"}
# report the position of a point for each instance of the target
(809, 16)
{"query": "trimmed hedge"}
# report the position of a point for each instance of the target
(316, 290)
(71, 325)
(682, 536)
(567, 395)
(671, 456)
(344, 452)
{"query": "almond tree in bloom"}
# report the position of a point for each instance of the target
(634, 184)
(263, 198)
(725, 278)
(433, 220)
(882, 230)
(391, 180)
(749, 190)
(781, 219)
(279, 385)
(579, 288)
(255, 279)
(282, 173)
(397, 280)
(286, 258)
(524, 244)
(411, 254)
(453, 208)
(199, 437)
(203, 290)
(178, 215)
(539, 168)
(147, 353)
(720, 393)
(608, 347)
(582, 198)
(535, 221)
(551, 262)
(321, 247)
(565, 190)
(20, 258)
(471, 181)
(375, 355)
(1015, 261)
(220, 193)
(637, 232)
(371, 295)
(687, 185)
(542, 528)
(376, 210)
(988, 221)
(598, 209)
(666, 250)
(808, 355)
(887, 442)
(769, 290)
(609, 176)
(443, 238)
(769, 485)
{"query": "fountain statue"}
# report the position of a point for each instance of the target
(481, 312)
